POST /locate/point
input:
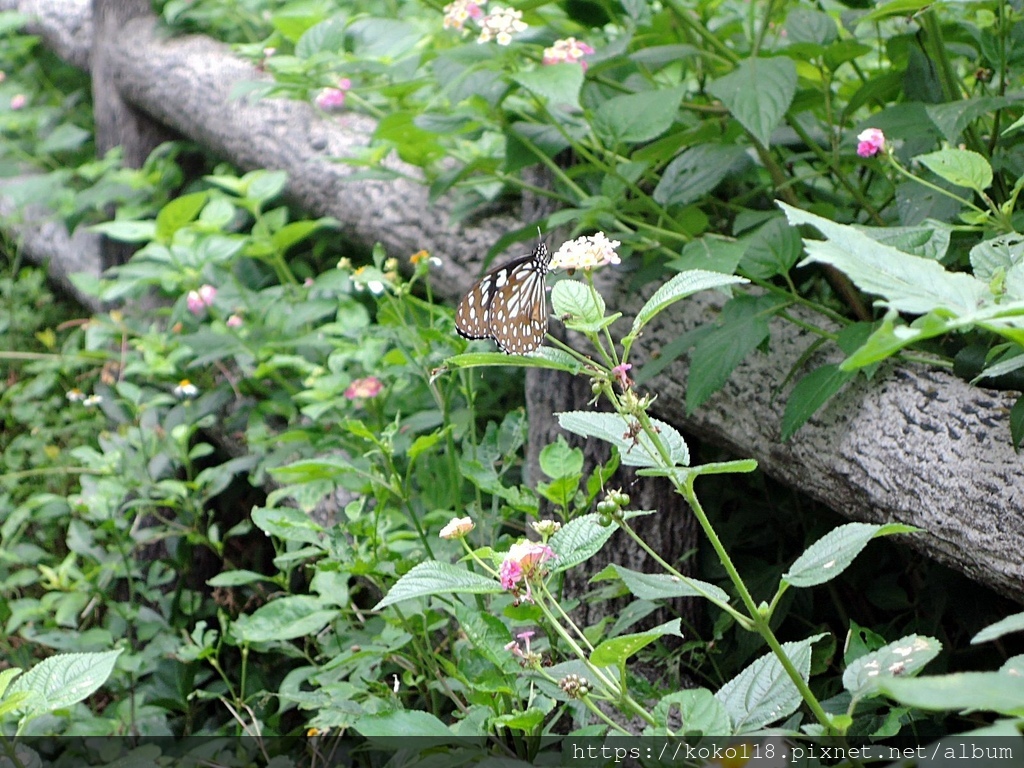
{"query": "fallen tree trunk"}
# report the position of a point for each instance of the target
(914, 445)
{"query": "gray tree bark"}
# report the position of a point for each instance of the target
(914, 445)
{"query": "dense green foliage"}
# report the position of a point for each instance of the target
(226, 510)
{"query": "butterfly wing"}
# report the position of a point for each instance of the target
(508, 305)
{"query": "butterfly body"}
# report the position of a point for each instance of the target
(509, 305)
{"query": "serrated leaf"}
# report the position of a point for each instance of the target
(906, 283)
(832, 553)
(930, 240)
(571, 297)
(556, 84)
(637, 117)
(982, 691)
(906, 656)
(663, 586)
(287, 523)
(436, 578)
(615, 429)
(962, 167)
(809, 394)
(758, 93)
(698, 712)
(612, 653)
(283, 619)
(696, 172)
(763, 693)
(64, 679)
(1013, 623)
(679, 287)
(578, 540)
(998, 253)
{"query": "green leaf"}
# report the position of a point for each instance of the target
(64, 679)
(959, 166)
(283, 619)
(953, 117)
(758, 93)
(832, 553)
(127, 231)
(571, 297)
(809, 394)
(998, 254)
(64, 138)
(297, 231)
(615, 428)
(772, 250)
(930, 240)
(1013, 623)
(637, 117)
(558, 460)
(326, 37)
(710, 252)
(288, 524)
(556, 84)
(679, 287)
(907, 283)
(906, 656)
(179, 213)
(982, 691)
(697, 710)
(894, 8)
(662, 586)
(742, 328)
(413, 144)
(262, 185)
(435, 578)
(403, 723)
(544, 357)
(696, 172)
(578, 540)
(612, 653)
(763, 693)
(236, 578)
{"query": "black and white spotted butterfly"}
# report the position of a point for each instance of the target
(509, 305)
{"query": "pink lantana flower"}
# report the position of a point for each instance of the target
(457, 528)
(524, 561)
(18, 101)
(567, 51)
(457, 13)
(198, 301)
(360, 389)
(586, 252)
(870, 142)
(334, 98)
(621, 374)
(500, 24)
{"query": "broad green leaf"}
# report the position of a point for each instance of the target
(906, 283)
(763, 693)
(413, 144)
(63, 138)
(698, 712)
(982, 691)
(891, 337)
(384, 38)
(637, 117)
(179, 213)
(832, 553)
(236, 578)
(556, 84)
(545, 357)
(64, 679)
(998, 254)
(127, 231)
(662, 586)
(288, 524)
(758, 93)
(262, 185)
(403, 723)
(953, 117)
(6, 676)
(906, 656)
(809, 25)
(742, 327)
(959, 166)
(297, 231)
(696, 172)
(436, 578)
(617, 430)
(612, 653)
(772, 250)
(578, 541)
(1013, 623)
(283, 619)
(559, 460)
(930, 240)
(571, 297)
(326, 37)
(679, 287)
(809, 394)
(894, 8)
(527, 720)
(710, 252)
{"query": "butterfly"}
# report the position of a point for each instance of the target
(508, 304)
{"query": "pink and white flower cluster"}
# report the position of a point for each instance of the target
(567, 51)
(498, 25)
(523, 563)
(587, 252)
